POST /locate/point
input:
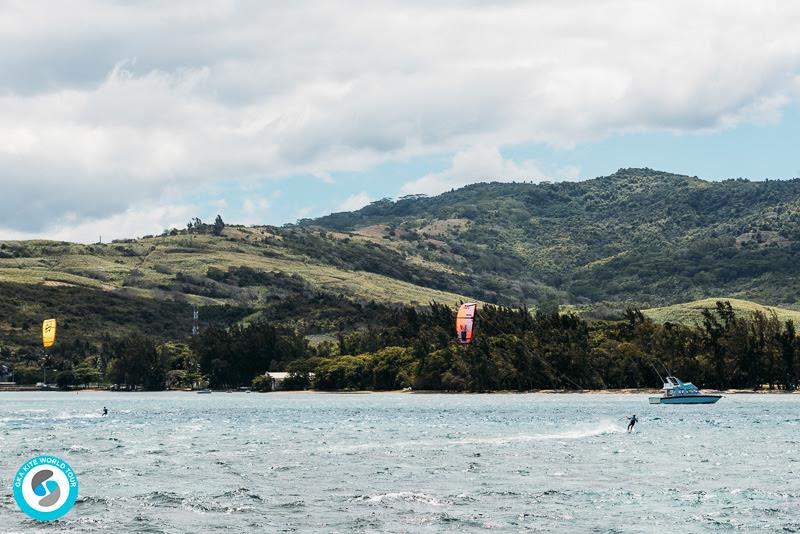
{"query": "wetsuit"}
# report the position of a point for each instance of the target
(632, 423)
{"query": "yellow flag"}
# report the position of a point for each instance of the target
(49, 333)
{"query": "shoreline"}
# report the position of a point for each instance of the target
(624, 391)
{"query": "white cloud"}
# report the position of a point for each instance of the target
(253, 204)
(568, 173)
(253, 207)
(354, 202)
(326, 178)
(304, 212)
(133, 222)
(483, 164)
(242, 91)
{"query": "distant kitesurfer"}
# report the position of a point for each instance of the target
(632, 422)
(105, 411)
(464, 334)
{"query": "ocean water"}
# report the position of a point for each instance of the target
(182, 462)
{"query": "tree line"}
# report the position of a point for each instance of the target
(513, 349)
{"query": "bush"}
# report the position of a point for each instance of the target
(65, 379)
(262, 383)
(296, 382)
(343, 372)
(25, 373)
(393, 368)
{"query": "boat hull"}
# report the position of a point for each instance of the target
(689, 399)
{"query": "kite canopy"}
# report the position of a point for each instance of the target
(48, 333)
(465, 320)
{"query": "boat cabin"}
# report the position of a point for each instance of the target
(675, 387)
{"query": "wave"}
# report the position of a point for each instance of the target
(599, 428)
(78, 449)
(239, 493)
(39, 417)
(63, 416)
(89, 499)
(198, 502)
(584, 431)
(402, 496)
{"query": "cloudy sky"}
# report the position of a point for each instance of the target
(125, 118)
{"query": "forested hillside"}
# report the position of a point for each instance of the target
(639, 236)
(638, 239)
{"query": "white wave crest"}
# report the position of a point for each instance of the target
(583, 431)
(595, 429)
(402, 496)
(66, 416)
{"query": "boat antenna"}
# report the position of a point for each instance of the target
(669, 373)
(659, 374)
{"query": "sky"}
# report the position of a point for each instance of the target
(121, 119)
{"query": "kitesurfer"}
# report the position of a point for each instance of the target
(105, 411)
(632, 422)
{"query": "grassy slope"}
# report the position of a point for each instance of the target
(151, 283)
(157, 260)
(690, 313)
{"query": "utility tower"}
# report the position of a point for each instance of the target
(195, 319)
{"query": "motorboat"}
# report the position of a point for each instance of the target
(679, 392)
(203, 391)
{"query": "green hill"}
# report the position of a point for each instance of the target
(690, 313)
(637, 238)
(151, 284)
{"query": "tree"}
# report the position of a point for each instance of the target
(393, 368)
(86, 373)
(27, 373)
(196, 225)
(715, 333)
(549, 305)
(179, 356)
(262, 383)
(65, 379)
(137, 362)
(219, 225)
(788, 342)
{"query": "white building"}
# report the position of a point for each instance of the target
(279, 377)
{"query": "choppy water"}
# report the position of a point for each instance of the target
(181, 462)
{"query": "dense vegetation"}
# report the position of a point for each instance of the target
(406, 347)
(517, 350)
